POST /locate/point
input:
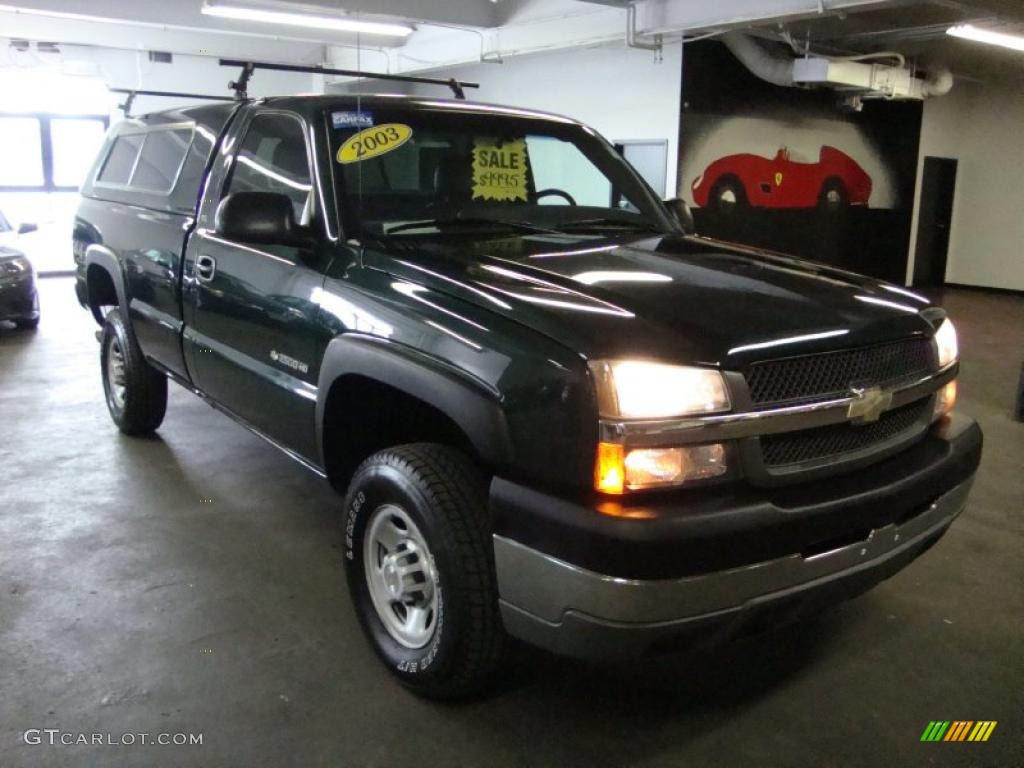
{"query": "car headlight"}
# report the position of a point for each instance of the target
(636, 389)
(945, 341)
(16, 268)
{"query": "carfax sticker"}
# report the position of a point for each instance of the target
(499, 170)
(373, 142)
(351, 119)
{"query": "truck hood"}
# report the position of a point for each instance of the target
(674, 298)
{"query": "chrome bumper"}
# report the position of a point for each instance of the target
(570, 610)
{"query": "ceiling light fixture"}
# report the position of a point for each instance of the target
(970, 32)
(307, 20)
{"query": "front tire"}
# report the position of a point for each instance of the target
(136, 392)
(420, 567)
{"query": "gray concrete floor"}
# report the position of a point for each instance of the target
(193, 583)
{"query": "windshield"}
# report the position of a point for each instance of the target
(419, 172)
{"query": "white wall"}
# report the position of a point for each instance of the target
(621, 92)
(981, 126)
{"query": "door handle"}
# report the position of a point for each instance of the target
(206, 268)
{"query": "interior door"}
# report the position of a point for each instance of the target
(251, 342)
(938, 185)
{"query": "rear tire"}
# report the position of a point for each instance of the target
(420, 564)
(136, 392)
(29, 324)
(833, 198)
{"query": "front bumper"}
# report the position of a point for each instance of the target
(826, 543)
(19, 301)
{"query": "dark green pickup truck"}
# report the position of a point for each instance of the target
(555, 414)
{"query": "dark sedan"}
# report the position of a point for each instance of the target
(19, 301)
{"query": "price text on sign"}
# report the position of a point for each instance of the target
(374, 142)
(499, 170)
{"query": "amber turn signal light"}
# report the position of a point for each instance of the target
(609, 468)
(617, 469)
(945, 400)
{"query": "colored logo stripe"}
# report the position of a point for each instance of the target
(935, 730)
(982, 730)
(958, 730)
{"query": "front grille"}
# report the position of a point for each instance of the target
(814, 378)
(819, 443)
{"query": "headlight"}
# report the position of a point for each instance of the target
(945, 340)
(16, 268)
(634, 389)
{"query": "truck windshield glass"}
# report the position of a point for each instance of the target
(423, 172)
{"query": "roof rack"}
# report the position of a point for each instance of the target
(241, 85)
(133, 92)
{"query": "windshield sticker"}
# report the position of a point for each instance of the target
(499, 170)
(351, 119)
(374, 142)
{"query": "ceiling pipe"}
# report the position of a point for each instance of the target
(771, 67)
(632, 37)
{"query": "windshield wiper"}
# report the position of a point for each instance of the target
(468, 221)
(604, 222)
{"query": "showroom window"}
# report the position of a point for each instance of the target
(47, 153)
(44, 158)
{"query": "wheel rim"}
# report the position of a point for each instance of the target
(727, 197)
(401, 577)
(833, 198)
(116, 380)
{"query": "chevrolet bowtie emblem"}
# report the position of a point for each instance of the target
(868, 405)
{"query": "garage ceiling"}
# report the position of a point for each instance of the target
(918, 30)
(459, 31)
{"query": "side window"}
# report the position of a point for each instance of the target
(121, 160)
(162, 155)
(272, 158)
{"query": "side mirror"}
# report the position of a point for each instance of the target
(263, 218)
(25, 227)
(678, 208)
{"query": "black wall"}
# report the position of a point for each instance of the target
(728, 111)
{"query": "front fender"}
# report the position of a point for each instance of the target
(474, 408)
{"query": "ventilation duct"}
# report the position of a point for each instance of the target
(856, 77)
(774, 68)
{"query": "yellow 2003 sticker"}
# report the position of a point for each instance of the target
(373, 142)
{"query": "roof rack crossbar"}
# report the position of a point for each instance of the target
(248, 67)
(133, 92)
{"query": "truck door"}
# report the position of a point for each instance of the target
(250, 338)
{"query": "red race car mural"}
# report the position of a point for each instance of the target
(734, 181)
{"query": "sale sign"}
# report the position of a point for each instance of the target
(499, 170)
